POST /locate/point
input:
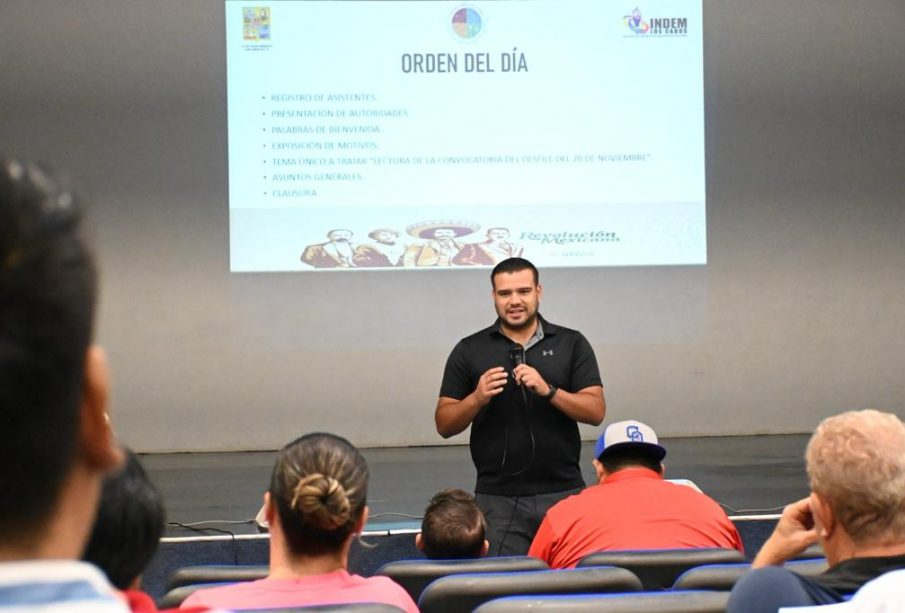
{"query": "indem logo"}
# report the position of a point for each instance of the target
(635, 23)
(655, 26)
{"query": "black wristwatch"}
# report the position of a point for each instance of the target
(552, 392)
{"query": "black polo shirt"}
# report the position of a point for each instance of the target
(507, 461)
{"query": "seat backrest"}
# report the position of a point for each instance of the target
(711, 577)
(724, 576)
(414, 575)
(644, 602)
(215, 573)
(462, 593)
(659, 568)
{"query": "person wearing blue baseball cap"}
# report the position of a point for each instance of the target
(631, 506)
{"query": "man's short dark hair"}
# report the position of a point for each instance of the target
(511, 265)
(128, 525)
(453, 526)
(628, 457)
(47, 299)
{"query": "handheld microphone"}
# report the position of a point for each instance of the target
(517, 355)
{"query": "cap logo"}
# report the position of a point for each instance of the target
(634, 434)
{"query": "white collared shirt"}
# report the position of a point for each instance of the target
(56, 586)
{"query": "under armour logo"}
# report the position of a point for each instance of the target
(547, 352)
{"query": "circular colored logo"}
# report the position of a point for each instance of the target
(635, 23)
(467, 23)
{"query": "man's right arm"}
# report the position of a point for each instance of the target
(452, 416)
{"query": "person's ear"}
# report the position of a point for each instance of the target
(824, 518)
(540, 292)
(419, 544)
(599, 470)
(97, 443)
(270, 509)
(360, 524)
(662, 470)
(485, 548)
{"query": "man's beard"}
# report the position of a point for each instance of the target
(529, 321)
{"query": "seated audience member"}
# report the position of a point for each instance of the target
(315, 506)
(127, 531)
(856, 511)
(56, 444)
(453, 527)
(631, 507)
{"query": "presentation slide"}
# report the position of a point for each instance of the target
(429, 134)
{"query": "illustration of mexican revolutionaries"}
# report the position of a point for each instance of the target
(491, 252)
(384, 252)
(337, 252)
(441, 245)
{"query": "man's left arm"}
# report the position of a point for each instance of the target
(587, 405)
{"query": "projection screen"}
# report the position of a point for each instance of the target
(435, 135)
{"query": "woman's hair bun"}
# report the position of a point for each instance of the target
(322, 501)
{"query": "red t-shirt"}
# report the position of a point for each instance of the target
(633, 508)
(332, 588)
(139, 602)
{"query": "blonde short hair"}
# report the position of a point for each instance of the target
(856, 463)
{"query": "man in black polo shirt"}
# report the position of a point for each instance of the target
(522, 384)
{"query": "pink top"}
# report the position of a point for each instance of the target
(333, 588)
